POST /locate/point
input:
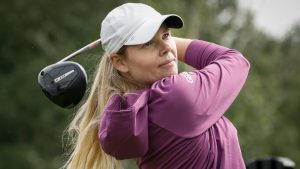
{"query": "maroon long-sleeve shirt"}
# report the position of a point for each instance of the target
(179, 122)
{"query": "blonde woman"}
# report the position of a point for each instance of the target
(140, 107)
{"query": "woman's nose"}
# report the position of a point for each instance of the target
(164, 48)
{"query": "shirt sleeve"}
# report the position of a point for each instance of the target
(123, 131)
(189, 103)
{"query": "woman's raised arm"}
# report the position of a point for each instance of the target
(181, 45)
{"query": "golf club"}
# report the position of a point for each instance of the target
(64, 82)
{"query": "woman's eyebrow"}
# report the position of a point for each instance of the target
(165, 28)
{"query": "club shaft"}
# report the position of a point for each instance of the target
(82, 50)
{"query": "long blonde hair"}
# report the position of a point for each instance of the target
(86, 152)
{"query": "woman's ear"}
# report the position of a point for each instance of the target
(119, 63)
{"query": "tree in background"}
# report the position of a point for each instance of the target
(37, 33)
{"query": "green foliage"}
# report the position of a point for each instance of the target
(38, 33)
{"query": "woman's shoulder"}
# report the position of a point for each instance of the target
(177, 87)
(175, 83)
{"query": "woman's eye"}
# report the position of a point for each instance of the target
(166, 35)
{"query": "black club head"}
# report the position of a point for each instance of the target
(64, 83)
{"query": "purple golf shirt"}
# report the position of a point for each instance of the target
(179, 122)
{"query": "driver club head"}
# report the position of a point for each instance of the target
(64, 83)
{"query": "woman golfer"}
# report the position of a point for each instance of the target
(140, 107)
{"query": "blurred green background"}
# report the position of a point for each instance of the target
(36, 33)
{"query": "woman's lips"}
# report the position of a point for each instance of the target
(166, 63)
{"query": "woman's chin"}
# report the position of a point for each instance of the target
(171, 73)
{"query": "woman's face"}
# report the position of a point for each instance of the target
(153, 60)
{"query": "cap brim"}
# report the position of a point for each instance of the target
(147, 31)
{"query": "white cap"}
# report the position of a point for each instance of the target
(133, 24)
